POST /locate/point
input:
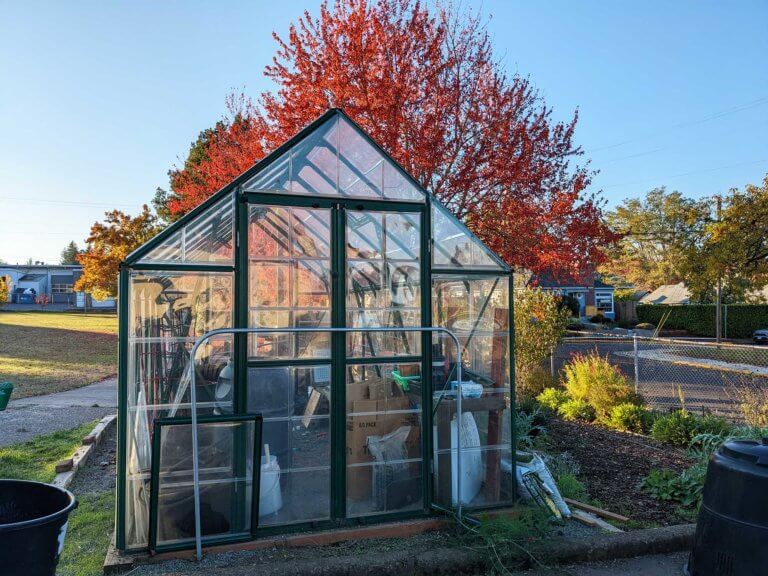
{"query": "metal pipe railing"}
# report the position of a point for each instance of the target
(220, 331)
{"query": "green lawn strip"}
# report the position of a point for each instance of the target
(36, 459)
(45, 352)
(88, 534)
(90, 525)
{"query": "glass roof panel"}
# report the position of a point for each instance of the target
(453, 246)
(336, 159)
(209, 238)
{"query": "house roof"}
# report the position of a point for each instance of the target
(545, 280)
(32, 278)
(668, 294)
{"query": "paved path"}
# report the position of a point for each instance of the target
(659, 565)
(27, 418)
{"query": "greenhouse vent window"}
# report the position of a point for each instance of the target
(312, 429)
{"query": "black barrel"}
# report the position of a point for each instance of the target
(732, 530)
(33, 523)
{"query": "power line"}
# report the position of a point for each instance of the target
(67, 202)
(691, 173)
(714, 116)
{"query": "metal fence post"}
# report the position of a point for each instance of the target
(552, 362)
(637, 364)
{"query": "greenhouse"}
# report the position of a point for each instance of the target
(326, 425)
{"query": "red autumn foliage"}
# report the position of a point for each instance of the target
(426, 86)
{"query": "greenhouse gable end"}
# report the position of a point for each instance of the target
(315, 428)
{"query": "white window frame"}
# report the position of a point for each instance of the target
(604, 294)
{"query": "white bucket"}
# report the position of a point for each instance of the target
(270, 495)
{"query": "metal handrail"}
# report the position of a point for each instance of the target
(220, 331)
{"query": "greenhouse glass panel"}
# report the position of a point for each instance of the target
(209, 238)
(453, 246)
(167, 312)
(226, 476)
(476, 309)
(383, 282)
(384, 456)
(336, 159)
(289, 280)
(295, 403)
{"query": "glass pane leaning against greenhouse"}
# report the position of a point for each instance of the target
(167, 311)
(208, 238)
(476, 309)
(336, 159)
(453, 246)
(227, 459)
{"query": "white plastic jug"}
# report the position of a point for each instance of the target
(270, 495)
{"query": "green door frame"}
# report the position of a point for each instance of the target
(339, 208)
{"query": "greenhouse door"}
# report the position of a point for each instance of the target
(342, 412)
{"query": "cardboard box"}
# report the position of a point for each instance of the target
(374, 420)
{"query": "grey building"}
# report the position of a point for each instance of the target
(27, 282)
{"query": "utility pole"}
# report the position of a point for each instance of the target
(719, 296)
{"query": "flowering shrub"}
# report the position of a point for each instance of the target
(592, 379)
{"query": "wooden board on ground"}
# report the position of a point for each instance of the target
(595, 510)
(593, 521)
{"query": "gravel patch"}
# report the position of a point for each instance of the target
(24, 424)
(98, 475)
(240, 563)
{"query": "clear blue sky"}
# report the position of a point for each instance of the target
(98, 99)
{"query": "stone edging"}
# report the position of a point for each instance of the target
(90, 442)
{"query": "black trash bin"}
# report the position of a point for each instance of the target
(33, 524)
(732, 530)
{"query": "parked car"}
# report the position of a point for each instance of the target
(760, 336)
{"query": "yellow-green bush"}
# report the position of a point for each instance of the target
(552, 398)
(576, 409)
(594, 380)
(629, 417)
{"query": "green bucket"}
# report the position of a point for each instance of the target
(5, 394)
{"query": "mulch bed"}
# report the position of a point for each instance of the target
(614, 463)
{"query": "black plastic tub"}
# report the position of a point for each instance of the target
(33, 524)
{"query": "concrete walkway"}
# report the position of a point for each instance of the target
(27, 418)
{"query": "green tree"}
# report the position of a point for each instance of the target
(733, 246)
(657, 232)
(540, 322)
(69, 254)
(198, 153)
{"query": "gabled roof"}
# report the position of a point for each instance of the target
(331, 157)
(668, 294)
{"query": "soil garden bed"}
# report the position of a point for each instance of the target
(613, 464)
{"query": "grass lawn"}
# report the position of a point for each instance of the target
(44, 352)
(36, 459)
(90, 525)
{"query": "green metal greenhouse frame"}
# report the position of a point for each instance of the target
(164, 258)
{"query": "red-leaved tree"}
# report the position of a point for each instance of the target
(426, 86)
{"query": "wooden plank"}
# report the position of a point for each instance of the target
(596, 511)
(584, 517)
(309, 411)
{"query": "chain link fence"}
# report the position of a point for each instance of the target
(726, 379)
